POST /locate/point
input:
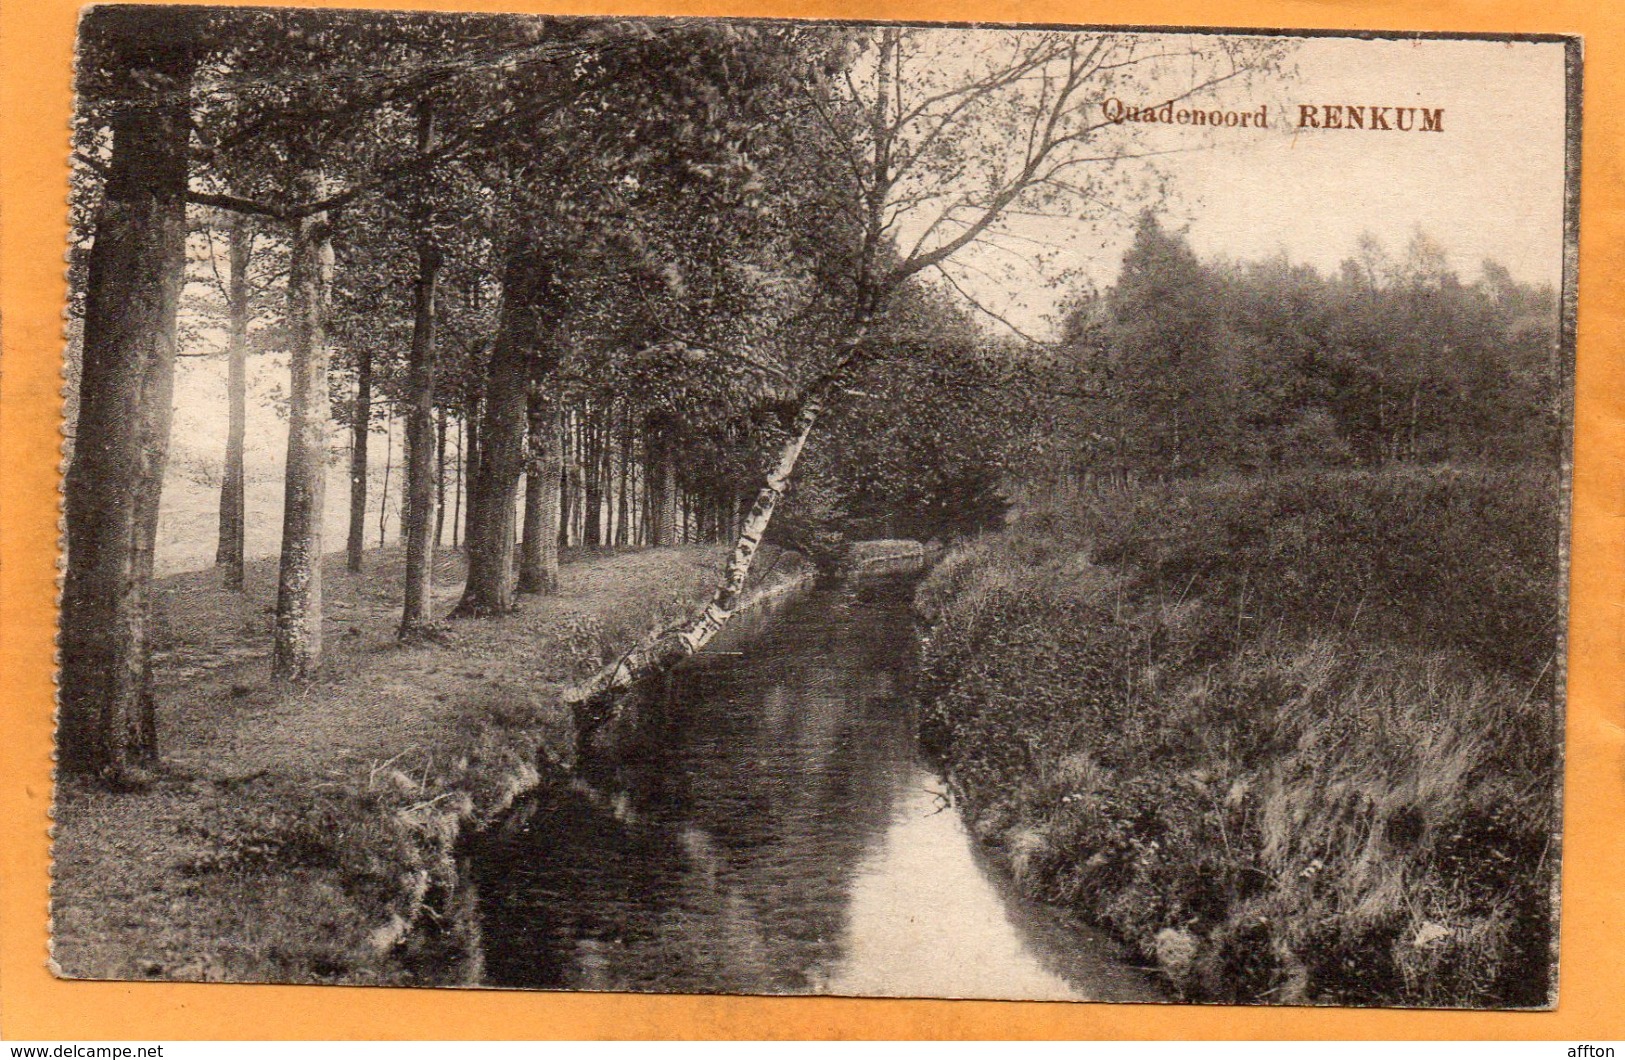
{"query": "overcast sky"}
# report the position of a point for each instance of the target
(1490, 185)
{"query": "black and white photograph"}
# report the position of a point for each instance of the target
(749, 506)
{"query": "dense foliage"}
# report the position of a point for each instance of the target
(1267, 681)
(1295, 739)
(1185, 366)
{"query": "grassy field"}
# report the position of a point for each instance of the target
(1296, 740)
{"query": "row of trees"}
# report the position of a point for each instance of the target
(677, 243)
(608, 494)
(1185, 366)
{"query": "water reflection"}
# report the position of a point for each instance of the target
(773, 831)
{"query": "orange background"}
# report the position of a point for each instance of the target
(36, 41)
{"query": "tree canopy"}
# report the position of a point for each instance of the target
(627, 269)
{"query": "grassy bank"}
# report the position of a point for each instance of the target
(308, 835)
(1294, 740)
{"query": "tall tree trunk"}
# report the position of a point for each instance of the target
(593, 701)
(566, 479)
(663, 484)
(121, 441)
(606, 473)
(639, 489)
(404, 503)
(421, 500)
(457, 488)
(623, 502)
(608, 483)
(579, 469)
(646, 492)
(228, 554)
(440, 478)
(457, 483)
(389, 457)
(671, 506)
(471, 466)
(526, 306)
(155, 431)
(539, 552)
(298, 643)
(360, 435)
(578, 479)
(592, 487)
(575, 469)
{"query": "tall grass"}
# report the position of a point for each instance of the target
(1296, 740)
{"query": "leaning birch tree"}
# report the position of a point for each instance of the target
(944, 143)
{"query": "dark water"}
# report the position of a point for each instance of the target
(775, 830)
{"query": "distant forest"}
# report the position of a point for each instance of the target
(1185, 366)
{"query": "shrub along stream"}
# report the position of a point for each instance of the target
(1296, 739)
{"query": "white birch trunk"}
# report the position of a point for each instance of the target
(593, 700)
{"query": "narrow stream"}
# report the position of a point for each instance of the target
(776, 831)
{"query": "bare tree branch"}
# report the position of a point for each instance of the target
(977, 304)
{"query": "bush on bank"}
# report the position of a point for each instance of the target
(1296, 740)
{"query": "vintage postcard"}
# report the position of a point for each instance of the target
(748, 506)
